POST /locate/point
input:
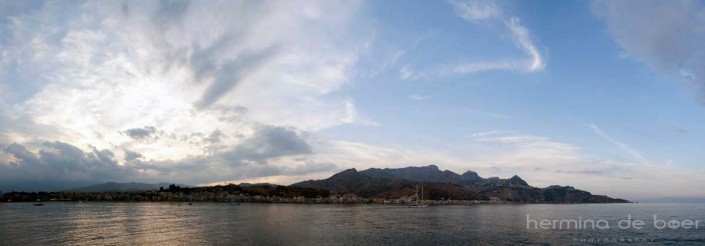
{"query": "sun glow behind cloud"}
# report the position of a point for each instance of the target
(203, 83)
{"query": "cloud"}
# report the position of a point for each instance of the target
(60, 161)
(206, 91)
(269, 151)
(230, 73)
(681, 130)
(181, 69)
(511, 139)
(266, 143)
(668, 36)
(486, 133)
(416, 97)
(214, 137)
(543, 161)
(140, 133)
(309, 167)
(132, 155)
(377, 65)
(477, 12)
(589, 172)
(624, 147)
(224, 90)
(522, 39)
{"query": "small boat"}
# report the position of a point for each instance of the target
(39, 203)
(418, 205)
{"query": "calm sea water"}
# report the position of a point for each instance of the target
(295, 224)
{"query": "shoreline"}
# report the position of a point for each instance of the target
(454, 203)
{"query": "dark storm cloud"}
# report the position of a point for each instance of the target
(266, 143)
(132, 155)
(140, 133)
(105, 156)
(21, 153)
(61, 161)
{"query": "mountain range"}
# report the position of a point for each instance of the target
(394, 183)
(398, 182)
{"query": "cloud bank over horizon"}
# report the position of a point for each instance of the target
(169, 90)
(203, 92)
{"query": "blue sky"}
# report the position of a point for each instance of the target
(605, 96)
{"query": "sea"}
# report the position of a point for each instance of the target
(162, 223)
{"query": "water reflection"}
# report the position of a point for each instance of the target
(277, 224)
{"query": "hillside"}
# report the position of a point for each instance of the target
(383, 186)
(399, 182)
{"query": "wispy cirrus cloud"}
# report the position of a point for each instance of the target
(487, 133)
(477, 12)
(417, 97)
(621, 145)
(544, 161)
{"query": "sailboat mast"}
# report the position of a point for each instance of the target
(421, 195)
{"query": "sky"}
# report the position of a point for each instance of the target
(605, 96)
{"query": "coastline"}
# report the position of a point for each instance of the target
(280, 201)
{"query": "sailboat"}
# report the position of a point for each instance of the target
(418, 205)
